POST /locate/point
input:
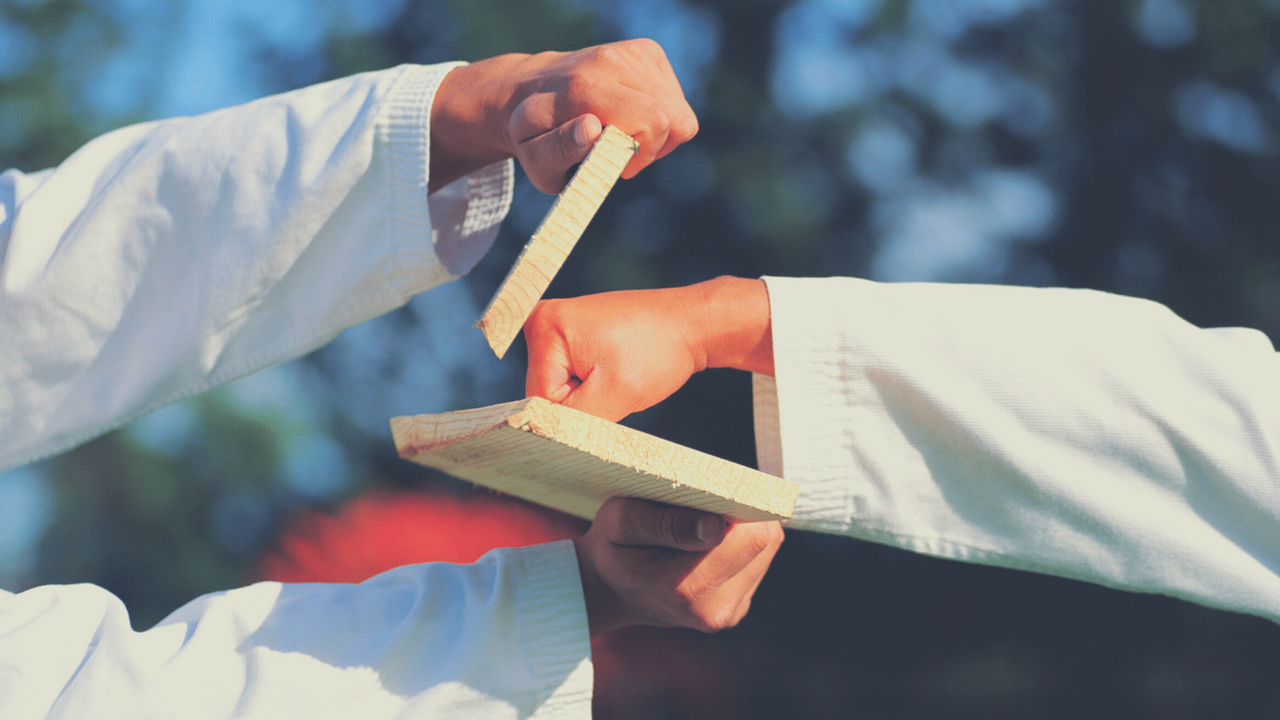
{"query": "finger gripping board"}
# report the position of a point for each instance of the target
(554, 239)
(571, 461)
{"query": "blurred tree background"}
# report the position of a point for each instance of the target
(1124, 145)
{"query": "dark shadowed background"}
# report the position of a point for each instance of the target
(1124, 145)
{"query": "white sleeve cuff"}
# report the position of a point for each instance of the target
(465, 215)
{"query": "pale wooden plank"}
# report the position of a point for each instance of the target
(554, 239)
(573, 462)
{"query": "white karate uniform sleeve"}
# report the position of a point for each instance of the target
(167, 258)
(1069, 432)
(505, 637)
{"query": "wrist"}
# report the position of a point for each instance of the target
(469, 116)
(734, 327)
(602, 603)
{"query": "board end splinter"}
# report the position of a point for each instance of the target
(554, 239)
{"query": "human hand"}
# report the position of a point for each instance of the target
(645, 563)
(617, 353)
(548, 110)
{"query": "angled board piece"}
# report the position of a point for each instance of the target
(571, 461)
(554, 239)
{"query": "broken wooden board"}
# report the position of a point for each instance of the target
(571, 461)
(554, 239)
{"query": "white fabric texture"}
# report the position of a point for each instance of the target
(1070, 432)
(167, 258)
(504, 637)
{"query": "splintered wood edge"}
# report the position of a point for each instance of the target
(551, 243)
(470, 444)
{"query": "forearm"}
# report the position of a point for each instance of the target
(164, 259)
(506, 635)
(469, 116)
(1069, 432)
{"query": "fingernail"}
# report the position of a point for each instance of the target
(706, 531)
(580, 135)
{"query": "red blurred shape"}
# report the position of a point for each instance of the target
(384, 529)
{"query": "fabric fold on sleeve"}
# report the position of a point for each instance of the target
(222, 243)
(504, 637)
(1070, 432)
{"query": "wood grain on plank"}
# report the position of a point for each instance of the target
(573, 462)
(554, 239)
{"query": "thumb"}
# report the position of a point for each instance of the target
(643, 523)
(595, 396)
(548, 158)
(550, 371)
(548, 375)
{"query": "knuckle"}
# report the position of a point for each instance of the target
(703, 626)
(609, 512)
(776, 535)
(688, 594)
(615, 507)
(705, 607)
(581, 86)
(553, 308)
(610, 54)
(685, 127)
(649, 45)
(664, 116)
(759, 540)
(644, 46)
(667, 528)
(727, 618)
(721, 617)
(696, 595)
(538, 317)
(547, 318)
